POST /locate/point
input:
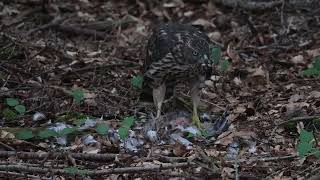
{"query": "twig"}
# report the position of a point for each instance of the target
(74, 29)
(11, 174)
(264, 159)
(32, 155)
(316, 176)
(249, 4)
(88, 68)
(149, 168)
(23, 15)
(296, 119)
(7, 146)
(55, 22)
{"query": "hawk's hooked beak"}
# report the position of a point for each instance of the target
(207, 67)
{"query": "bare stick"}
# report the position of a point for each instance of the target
(82, 31)
(33, 155)
(265, 159)
(150, 168)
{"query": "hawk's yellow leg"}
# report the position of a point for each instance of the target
(195, 102)
(158, 97)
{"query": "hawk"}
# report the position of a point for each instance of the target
(176, 53)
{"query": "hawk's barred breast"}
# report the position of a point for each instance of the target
(175, 52)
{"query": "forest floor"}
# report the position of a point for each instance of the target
(72, 63)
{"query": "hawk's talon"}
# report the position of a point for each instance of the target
(196, 121)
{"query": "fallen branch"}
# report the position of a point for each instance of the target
(264, 159)
(55, 22)
(249, 4)
(40, 155)
(73, 29)
(11, 174)
(22, 16)
(150, 168)
(296, 119)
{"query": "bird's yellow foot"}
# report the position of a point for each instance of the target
(196, 120)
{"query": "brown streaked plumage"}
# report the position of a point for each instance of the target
(176, 53)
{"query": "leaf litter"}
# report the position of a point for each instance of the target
(100, 50)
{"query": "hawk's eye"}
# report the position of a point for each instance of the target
(195, 53)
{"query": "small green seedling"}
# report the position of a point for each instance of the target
(136, 81)
(24, 134)
(14, 108)
(224, 65)
(126, 124)
(314, 70)
(215, 55)
(78, 95)
(76, 171)
(306, 145)
(102, 129)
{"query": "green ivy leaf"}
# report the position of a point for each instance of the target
(290, 125)
(102, 129)
(190, 135)
(24, 134)
(314, 70)
(123, 132)
(304, 148)
(83, 172)
(9, 114)
(66, 131)
(128, 122)
(305, 136)
(136, 81)
(224, 65)
(215, 54)
(311, 72)
(20, 108)
(316, 63)
(12, 102)
(316, 153)
(71, 170)
(316, 121)
(74, 171)
(45, 134)
(78, 95)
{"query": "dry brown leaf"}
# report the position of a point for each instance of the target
(297, 59)
(174, 3)
(258, 77)
(179, 149)
(280, 176)
(6, 135)
(216, 35)
(204, 23)
(227, 138)
(240, 109)
(227, 172)
(313, 52)
(295, 98)
(314, 94)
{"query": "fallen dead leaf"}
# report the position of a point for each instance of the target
(216, 35)
(89, 98)
(227, 172)
(257, 77)
(204, 23)
(298, 59)
(314, 94)
(313, 52)
(227, 138)
(295, 98)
